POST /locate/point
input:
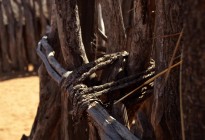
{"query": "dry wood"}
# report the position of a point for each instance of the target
(50, 56)
(165, 114)
(74, 55)
(4, 43)
(48, 121)
(68, 20)
(20, 30)
(127, 12)
(114, 30)
(113, 20)
(51, 72)
(42, 17)
(86, 12)
(150, 80)
(30, 32)
(111, 130)
(11, 33)
(174, 54)
(132, 31)
(138, 42)
(193, 76)
(22, 60)
(48, 7)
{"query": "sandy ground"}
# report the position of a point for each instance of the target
(18, 104)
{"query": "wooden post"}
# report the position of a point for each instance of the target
(165, 113)
(4, 43)
(192, 72)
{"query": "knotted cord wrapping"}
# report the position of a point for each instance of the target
(72, 82)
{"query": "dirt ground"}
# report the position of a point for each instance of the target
(18, 104)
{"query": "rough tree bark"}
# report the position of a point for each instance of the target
(74, 56)
(128, 29)
(193, 77)
(60, 123)
(165, 113)
(139, 44)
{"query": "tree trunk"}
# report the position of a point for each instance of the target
(165, 113)
(193, 77)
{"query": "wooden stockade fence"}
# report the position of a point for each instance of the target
(22, 23)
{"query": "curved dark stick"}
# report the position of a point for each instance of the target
(54, 75)
(50, 56)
